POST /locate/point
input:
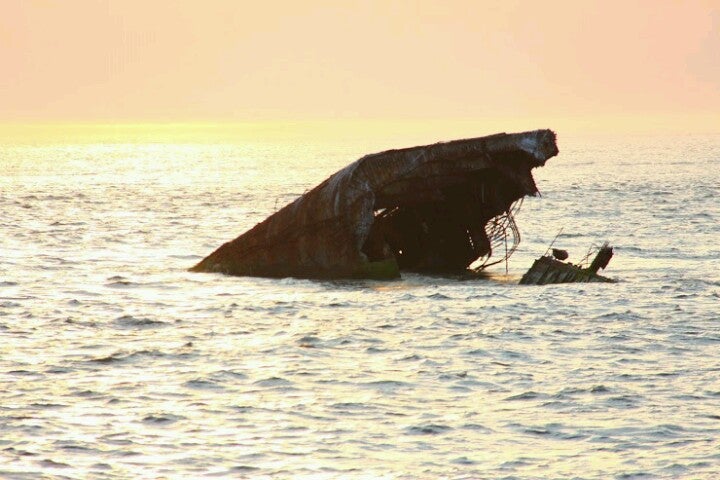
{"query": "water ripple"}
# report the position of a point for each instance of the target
(118, 363)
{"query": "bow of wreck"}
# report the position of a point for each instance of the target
(436, 208)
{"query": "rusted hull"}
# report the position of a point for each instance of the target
(421, 208)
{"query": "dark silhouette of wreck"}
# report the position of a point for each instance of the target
(435, 208)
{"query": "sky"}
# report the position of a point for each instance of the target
(613, 63)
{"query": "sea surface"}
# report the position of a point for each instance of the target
(115, 362)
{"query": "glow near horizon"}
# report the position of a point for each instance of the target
(612, 65)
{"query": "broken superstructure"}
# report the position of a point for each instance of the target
(436, 208)
(552, 269)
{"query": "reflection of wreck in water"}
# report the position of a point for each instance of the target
(436, 208)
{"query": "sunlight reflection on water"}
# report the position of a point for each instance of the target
(117, 363)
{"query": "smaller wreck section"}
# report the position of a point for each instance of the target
(436, 208)
(551, 269)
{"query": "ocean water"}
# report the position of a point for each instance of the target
(115, 362)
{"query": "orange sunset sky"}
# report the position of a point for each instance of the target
(612, 63)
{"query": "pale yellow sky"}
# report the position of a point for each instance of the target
(617, 62)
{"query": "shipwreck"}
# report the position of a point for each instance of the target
(442, 208)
